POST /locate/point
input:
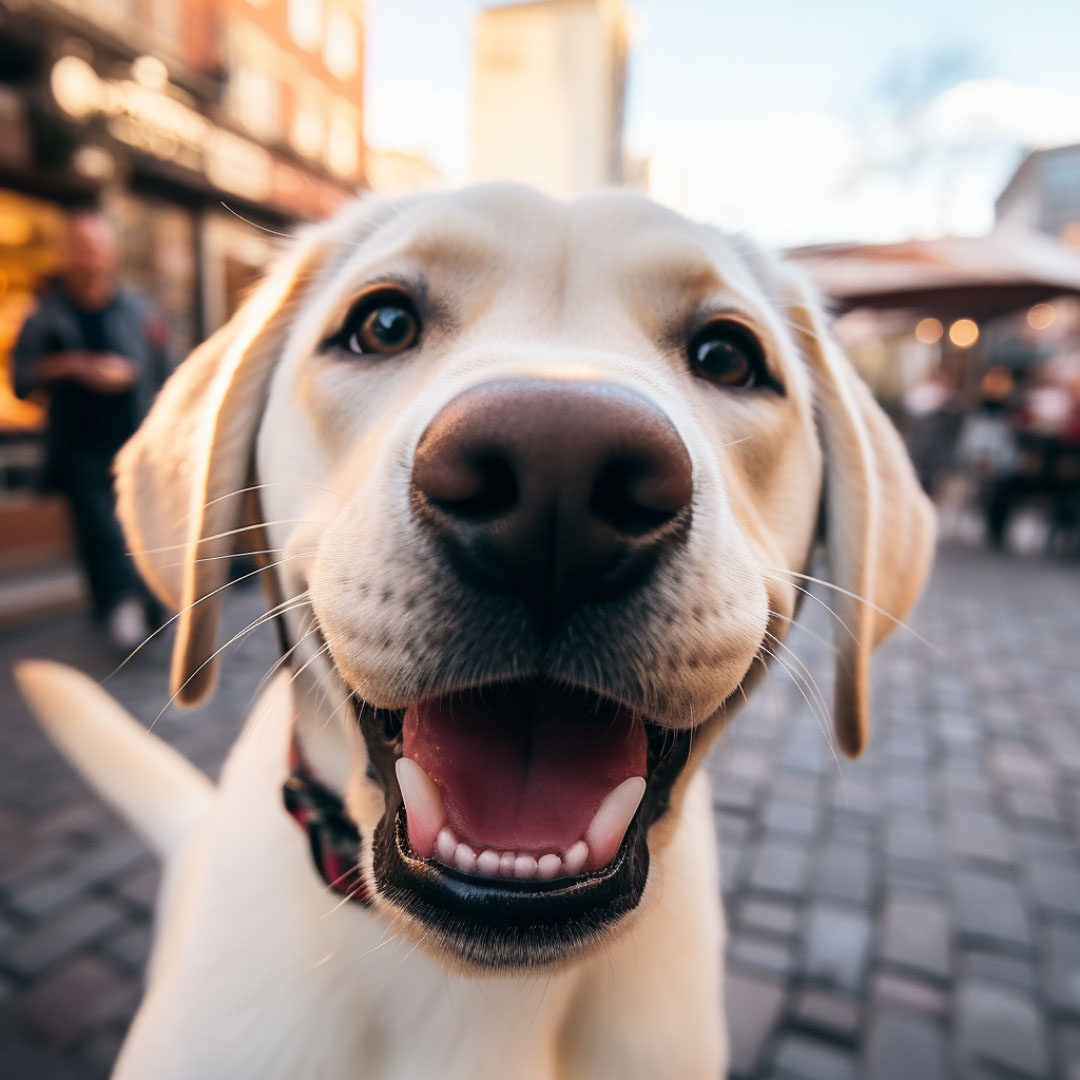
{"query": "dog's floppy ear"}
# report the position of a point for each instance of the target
(179, 476)
(879, 525)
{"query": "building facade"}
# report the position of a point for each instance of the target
(548, 94)
(205, 128)
(1044, 194)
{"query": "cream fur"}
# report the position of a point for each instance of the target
(258, 971)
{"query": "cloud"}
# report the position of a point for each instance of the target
(998, 109)
(814, 177)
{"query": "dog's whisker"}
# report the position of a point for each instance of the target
(820, 717)
(200, 540)
(275, 483)
(385, 941)
(806, 671)
(255, 225)
(252, 626)
(862, 600)
(822, 721)
(806, 630)
(825, 710)
(240, 554)
(401, 963)
(168, 622)
(311, 628)
(818, 600)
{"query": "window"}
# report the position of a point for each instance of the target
(255, 100)
(343, 141)
(308, 131)
(341, 48)
(305, 21)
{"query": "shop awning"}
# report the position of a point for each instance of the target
(974, 276)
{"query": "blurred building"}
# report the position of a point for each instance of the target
(1044, 194)
(393, 171)
(204, 127)
(548, 94)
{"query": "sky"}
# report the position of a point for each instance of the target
(773, 116)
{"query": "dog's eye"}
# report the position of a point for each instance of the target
(728, 354)
(383, 324)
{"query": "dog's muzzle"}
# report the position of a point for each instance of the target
(517, 811)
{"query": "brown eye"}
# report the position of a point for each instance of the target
(726, 353)
(381, 325)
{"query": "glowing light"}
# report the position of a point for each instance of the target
(929, 331)
(15, 230)
(964, 333)
(997, 383)
(75, 86)
(93, 162)
(151, 72)
(1041, 316)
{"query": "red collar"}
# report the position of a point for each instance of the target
(332, 835)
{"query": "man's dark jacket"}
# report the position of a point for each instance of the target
(131, 330)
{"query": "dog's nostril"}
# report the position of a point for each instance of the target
(486, 488)
(626, 498)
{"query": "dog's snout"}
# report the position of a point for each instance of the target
(556, 491)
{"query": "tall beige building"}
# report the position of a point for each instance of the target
(550, 79)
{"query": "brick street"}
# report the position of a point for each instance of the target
(913, 915)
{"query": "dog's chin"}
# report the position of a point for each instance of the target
(549, 818)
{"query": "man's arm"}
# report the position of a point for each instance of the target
(37, 363)
(35, 343)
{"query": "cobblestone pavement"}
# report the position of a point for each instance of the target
(913, 916)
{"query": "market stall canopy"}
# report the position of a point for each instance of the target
(974, 276)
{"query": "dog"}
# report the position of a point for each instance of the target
(533, 484)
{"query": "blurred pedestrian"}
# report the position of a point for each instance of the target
(99, 355)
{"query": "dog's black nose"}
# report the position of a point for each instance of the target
(558, 492)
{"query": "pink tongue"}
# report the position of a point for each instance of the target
(521, 768)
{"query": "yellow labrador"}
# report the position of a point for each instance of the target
(533, 481)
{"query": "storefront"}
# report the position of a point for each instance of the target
(197, 206)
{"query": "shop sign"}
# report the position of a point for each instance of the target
(150, 120)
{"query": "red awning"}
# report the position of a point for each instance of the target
(975, 276)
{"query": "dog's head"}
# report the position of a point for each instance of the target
(538, 479)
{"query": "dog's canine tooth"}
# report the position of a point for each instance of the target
(465, 859)
(525, 867)
(424, 810)
(548, 867)
(446, 846)
(575, 859)
(610, 822)
(487, 863)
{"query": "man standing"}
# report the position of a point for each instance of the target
(100, 357)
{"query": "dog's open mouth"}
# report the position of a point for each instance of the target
(516, 829)
(521, 782)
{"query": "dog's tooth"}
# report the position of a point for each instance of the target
(424, 810)
(465, 859)
(506, 864)
(548, 867)
(446, 846)
(575, 858)
(609, 824)
(525, 867)
(487, 863)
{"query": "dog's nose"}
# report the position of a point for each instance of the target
(556, 491)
